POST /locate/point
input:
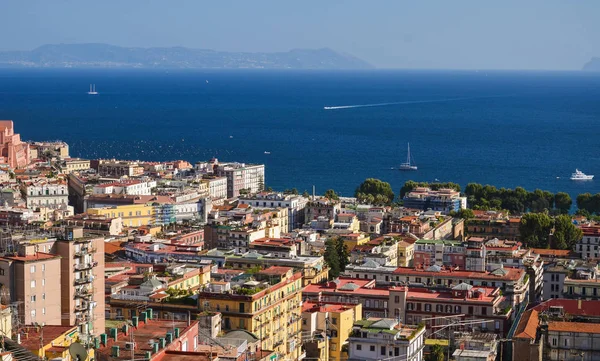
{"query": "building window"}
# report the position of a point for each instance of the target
(358, 347)
(1, 271)
(554, 341)
(33, 298)
(372, 348)
(32, 313)
(382, 350)
(32, 269)
(43, 296)
(44, 265)
(43, 310)
(33, 284)
(43, 281)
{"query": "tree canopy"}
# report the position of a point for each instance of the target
(331, 194)
(410, 185)
(336, 256)
(518, 200)
(374, 191)
(540, 230)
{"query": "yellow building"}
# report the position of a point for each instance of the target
(192, 279)
(5, 321)
(332, 319)
(406, 251)
(269, 307)
(355, 239)
(133, 215)
(55, 344)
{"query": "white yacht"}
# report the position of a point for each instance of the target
(579, 175)
(408, 165)
(92, 90)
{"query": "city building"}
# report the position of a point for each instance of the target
(117, 169)
(31, 278)
(335, 320)
(458, 304)
(74, 165)
(493, 224)
(129, 186)
(295, 205)
(46, 194)
(241, 178)
(475, 346)
(217, 186)
(558, 330)
(148, 337)
(13, 151)
(587, 246)
(375, 339)
(269, 307)
(443, 200)
(50, 342)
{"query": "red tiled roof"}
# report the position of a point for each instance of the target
(577, 327)
(527, 327)
(38, 256)
(552, 252)
(513, 274)
(572, 307)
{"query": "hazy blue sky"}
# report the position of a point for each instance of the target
(537, 34)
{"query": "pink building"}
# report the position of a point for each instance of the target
(13, 151)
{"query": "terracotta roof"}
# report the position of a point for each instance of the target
(527, 327)
(552, 252)
(578, 327)
(572, 307)
(39, 256)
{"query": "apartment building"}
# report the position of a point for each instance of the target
(443, 200)
(129, 186)
(217, 187)
(241, 177)
(493, 224)
(335, 320)
(34, 282)
(269, 307)
(375, 339)
(295, 205)
(70, 165)
(46, 194)
(15, 152)
(117, 168)
(587, 247)
(414, 305)
(134, 215)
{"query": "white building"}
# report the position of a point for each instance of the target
(49, 195)
(217, 187)
(294, 203)
(588, 246)
(131, 187)
(376, 339)
(242, 177)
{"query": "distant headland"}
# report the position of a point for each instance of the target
(592, 65)
(110, 56)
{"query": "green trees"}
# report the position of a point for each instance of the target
(410, 185)
(463, 213)
(536, 229)
(293, 191)
(566, 234)
(589, 202)
(516, 200)
(330, 194)
(374, 191)
(562, 202)
(336, 256)
(436, 354)
(305, 194)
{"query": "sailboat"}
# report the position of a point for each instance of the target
(408, 165)
(93, 90)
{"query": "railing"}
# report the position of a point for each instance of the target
(86, 265)
(81, 307)
(84, 280)
(83, 294)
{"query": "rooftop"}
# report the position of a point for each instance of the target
(33, 336)
(575, 327)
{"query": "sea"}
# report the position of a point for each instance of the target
(508, 129)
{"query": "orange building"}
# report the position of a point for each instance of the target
(13, 151)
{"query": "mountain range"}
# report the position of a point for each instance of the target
(110, 56)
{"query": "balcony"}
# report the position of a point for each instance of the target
(81, 307)
(84, 251)
(84, 266)
(83, 293)
(83, 280)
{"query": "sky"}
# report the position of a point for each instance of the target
(439, 34)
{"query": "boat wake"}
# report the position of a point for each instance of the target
(405, 102)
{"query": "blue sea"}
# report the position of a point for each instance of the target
(529, 129)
